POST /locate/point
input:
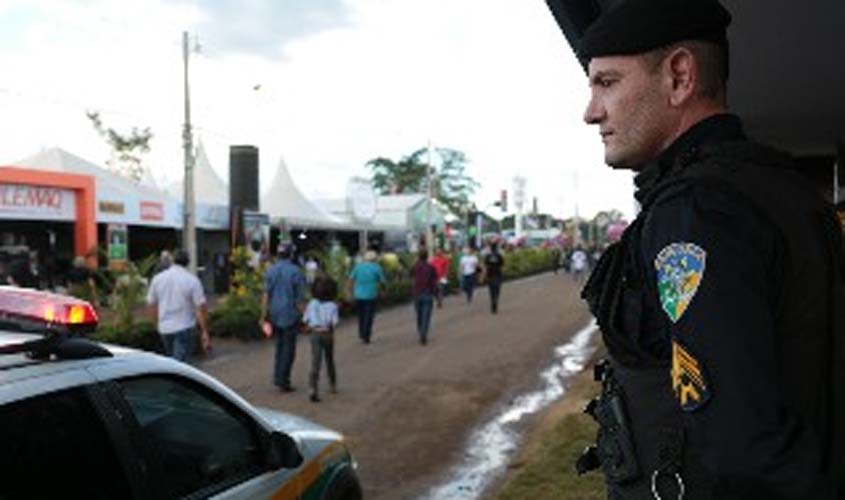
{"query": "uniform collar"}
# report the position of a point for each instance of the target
(685, 149)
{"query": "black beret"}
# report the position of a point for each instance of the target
(637, 26)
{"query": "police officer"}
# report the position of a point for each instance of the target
(717, 305)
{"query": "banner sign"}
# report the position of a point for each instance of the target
(21, 201)
(111, 207)
(152, 210)
(118, 245)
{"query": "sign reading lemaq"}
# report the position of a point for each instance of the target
(27, 202)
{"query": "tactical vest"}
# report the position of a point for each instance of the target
(810, 323)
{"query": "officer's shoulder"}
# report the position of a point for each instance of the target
(711, 204)
(701, 195)
(731, 177)
(753, 170)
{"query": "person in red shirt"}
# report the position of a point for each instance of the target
(424, 288)
(441, 264)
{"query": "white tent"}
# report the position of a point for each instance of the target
(119, 200)
(209, 188)
(395, 212)
(284, 202)
(211, 193)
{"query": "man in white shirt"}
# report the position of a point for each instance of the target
(468, 266)
(178, 304)
(579, 263)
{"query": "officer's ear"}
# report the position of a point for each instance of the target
(681, 69)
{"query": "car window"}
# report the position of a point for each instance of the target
(201, 442)
(56, 446)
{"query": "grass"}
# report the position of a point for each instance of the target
(550, 474)
(545, 469)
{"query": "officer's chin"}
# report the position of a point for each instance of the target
(622, 164)
(623, 160)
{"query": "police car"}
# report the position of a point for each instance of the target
(79, 419)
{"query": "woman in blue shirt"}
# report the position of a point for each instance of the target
(364, 281)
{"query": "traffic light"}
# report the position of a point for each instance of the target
(503, 200)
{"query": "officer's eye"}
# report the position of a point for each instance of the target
(603, 80)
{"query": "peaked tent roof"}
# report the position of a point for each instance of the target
(209, 188)
(284, 201)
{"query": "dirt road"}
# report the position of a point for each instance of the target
(406, 409)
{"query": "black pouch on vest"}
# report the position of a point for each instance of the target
(614, 450)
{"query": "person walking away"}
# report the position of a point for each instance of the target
(164, 262)
(595, 255)
(365, 278)
(21, 272)
(720, 307)
(281, 307)
(321, 318)
(468, 267)
(177, 303)
(424, 288)
(492, 275)
(579, 264)
(80, 281)
(555, 259)
(441, 264)
(311, 268)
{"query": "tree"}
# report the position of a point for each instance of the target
(450, 183)
(126, 148)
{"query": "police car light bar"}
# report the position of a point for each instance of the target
(47, 308)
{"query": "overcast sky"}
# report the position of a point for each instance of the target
(325, 84)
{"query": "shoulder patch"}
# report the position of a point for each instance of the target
(688, 379)
(680, 269)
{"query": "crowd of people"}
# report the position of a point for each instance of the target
(177, 303)
(285, 314)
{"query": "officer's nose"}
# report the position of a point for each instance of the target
(594, 113)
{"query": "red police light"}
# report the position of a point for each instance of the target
(49, 308)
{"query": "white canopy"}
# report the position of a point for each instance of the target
(211, 193)
(209, 188)
(283, 201)
(119, 200)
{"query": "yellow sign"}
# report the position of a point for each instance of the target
(111, 207)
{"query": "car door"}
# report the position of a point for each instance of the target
(194, 442)
(56, 444)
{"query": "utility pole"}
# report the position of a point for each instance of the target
(577, 236)
(429, 236)
(189, 230)
(519, 202)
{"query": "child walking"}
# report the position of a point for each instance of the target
(321, 317)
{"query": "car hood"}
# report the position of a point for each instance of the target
(299, 427)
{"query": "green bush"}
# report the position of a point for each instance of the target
(236, 316)
(141, 334)
(526, 261)
(396, 292)
(336, 265)
(237, 313)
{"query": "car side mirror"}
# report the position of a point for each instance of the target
(283, 451)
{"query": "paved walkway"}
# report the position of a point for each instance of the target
(407, 409)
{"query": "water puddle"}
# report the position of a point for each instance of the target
(490, 447)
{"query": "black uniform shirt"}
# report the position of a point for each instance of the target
(493, 263)
(713, 265)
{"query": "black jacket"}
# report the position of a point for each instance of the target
(717, 308)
